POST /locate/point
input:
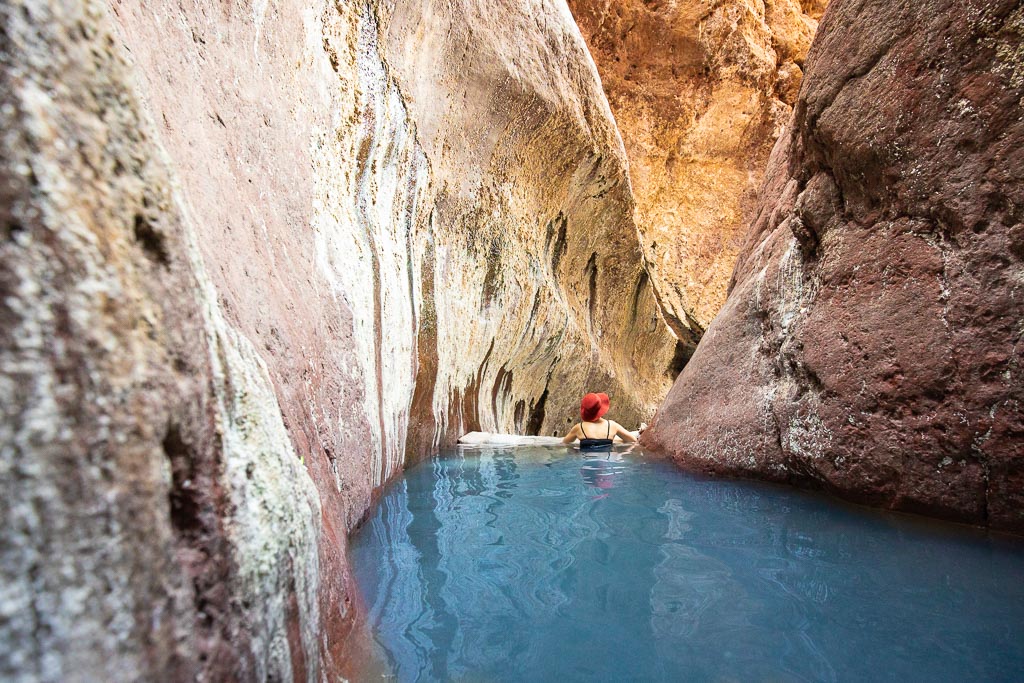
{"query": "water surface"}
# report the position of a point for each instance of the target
(542, 564)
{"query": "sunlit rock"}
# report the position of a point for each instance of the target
(700, 91)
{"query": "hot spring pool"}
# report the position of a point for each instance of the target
(539, 564)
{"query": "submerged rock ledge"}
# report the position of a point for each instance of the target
(491, 439)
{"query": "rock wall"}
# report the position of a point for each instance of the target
(538, 282)
(158, 520)
(871, 342)
(700, 90)
(258, 255)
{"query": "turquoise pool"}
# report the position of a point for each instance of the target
(541, 564)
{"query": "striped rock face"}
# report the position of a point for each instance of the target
(258, 255)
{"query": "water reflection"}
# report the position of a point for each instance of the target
(599, 468)
(546, 564)
(401, 610)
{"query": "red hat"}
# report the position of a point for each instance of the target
(593, 406)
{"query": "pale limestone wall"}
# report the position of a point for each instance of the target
(255, 257)
(537, 280)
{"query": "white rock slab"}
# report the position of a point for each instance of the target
(489, 438)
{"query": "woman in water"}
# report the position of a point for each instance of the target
(594, 431)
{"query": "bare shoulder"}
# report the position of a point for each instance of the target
(573, 434)
(622, 432)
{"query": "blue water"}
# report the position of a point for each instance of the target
(539, 564)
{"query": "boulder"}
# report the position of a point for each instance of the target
(871, 341)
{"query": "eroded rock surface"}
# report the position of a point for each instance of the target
(871, 343)
(256, 256)
(537, 282)
(700, 91)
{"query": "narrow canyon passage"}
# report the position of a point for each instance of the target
(259, 257)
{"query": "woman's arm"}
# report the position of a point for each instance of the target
(621, 432)
(571, 436)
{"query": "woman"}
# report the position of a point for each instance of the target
(594, 431)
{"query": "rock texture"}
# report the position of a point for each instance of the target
(700, 91)
(533, 281)
(158, 521)
(871, 343)
(257, 255)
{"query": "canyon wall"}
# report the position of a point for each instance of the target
(700, 91)
(871, 342)
(538, 284)
(258, 255)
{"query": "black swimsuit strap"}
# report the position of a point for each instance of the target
(583, 430)
(609, 430)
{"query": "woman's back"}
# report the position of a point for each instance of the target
(589, 442)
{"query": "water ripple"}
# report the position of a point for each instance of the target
(545, 565)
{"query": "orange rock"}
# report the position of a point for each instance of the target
(700, 92)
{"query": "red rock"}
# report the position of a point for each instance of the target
(871, 341)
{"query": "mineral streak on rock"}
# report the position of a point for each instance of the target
(537, 279)
(700, 91)
(871, 342)
(255, 256)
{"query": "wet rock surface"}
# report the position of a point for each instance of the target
(538, 285)
(700, 91)
(257, 256)
(871, 342)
